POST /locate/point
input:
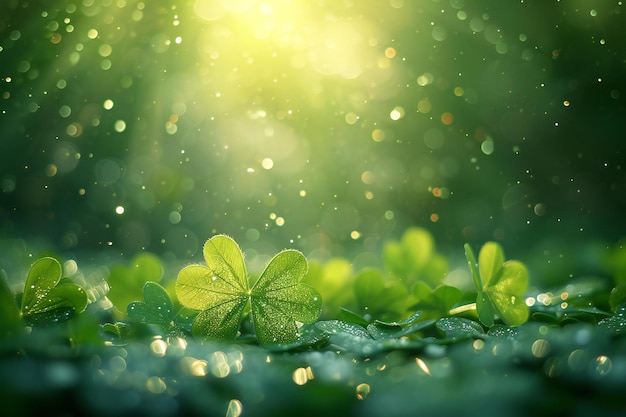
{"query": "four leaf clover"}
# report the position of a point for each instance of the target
(221, 291)
(501, 285)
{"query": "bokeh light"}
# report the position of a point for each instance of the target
(325, 126)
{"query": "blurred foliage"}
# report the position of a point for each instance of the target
(414, 258)
(327, 126)
(10, 315)
(126, 282)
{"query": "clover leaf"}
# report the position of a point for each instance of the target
(157, 308)
(221, 291)
(48, 298)
(500, 284)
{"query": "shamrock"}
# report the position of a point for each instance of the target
(220, 290)
(47, 297)
(157, 308)
(501, 285)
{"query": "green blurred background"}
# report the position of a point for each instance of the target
(327, 126)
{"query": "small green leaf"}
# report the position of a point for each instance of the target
(117, 333)
(352, 317)
(501, 286)
(342, 327)
(471, 262)
(490, 260)
(403, 323)
(384, 332)
(157, 308)
(45, 292)
(220, 290)
(485, 310)
(460, 328)
(311, 336)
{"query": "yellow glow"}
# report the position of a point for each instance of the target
(219, 364)
(156, 385)
(478, 344)
(362, 391)
(235, 408)
(267, 163)
(300, 376)
(422, 365)
(351, 118)
(194, 366)
(424, 106)
(378, 135)
(540, 348)
(397, 113)
(318, 43)
(158, 347)
(180, 343)
(209, 9)
(603, 365)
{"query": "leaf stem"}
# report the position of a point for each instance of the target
(462, 309)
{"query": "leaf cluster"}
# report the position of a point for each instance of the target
(217, 300)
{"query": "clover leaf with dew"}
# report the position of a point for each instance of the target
(221, 292)
(49, 299)
(500, 284)
(156, 309)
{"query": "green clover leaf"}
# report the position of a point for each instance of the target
(48, 298)
(157, 308)
(500, 284)
(220, 290)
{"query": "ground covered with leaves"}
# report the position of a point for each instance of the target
(399, 340)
